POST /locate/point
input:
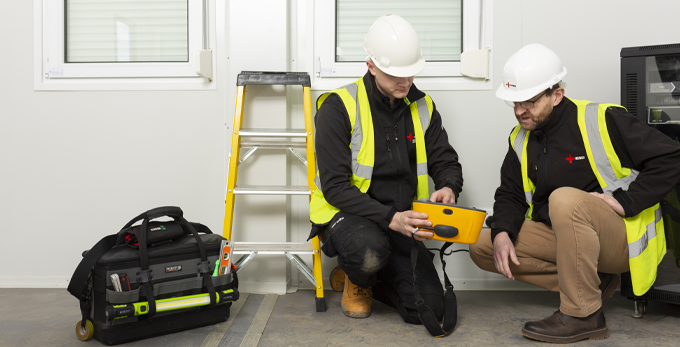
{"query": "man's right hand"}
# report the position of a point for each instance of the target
(502, 248)
(407, 221)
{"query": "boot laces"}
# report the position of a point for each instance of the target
(363, 292)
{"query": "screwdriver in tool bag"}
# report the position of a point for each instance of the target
(142, 308)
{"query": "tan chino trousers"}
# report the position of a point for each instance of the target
(587, 236)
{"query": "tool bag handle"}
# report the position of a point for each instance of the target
(145, 275)
(427, 317)
(173, 212)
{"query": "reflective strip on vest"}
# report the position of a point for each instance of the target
(519, 139)
(613, 179)
(636, 248)
(360, 170)
(421, 112)
(424, 115)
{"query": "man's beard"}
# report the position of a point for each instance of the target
(540, 119)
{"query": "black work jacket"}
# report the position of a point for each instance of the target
(394, 181)
(557, 158)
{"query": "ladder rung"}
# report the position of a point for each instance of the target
(273, 144)
(273, 78)
(273, 132)
(273, 247)
(271, 190)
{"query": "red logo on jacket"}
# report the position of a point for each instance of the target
(570, 158)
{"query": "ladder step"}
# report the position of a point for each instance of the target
(273, 132)
(273, 247)
(273, 78)
(271, 190)
(273, 144)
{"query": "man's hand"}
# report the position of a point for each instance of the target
(444, 195)
(407, 221)
(502, 248)
(612, 202)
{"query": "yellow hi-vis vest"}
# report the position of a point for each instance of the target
(645, 232)
(362, 145)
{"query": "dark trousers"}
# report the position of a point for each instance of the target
(374, 258)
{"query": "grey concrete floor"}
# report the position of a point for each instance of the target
(47, 317)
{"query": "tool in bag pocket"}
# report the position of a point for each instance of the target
(152, 279)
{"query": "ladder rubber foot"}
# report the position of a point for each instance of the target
(320, 304)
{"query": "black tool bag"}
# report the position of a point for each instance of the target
(167, 276)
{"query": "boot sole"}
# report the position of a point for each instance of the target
(611, 287)
(349, 313)
(599, 334)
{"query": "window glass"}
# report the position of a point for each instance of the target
(437, 22)
(126, 31)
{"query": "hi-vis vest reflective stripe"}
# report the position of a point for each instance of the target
(362, 145)
(645, 232)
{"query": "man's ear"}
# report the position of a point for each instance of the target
(559, 94)
(371, 66)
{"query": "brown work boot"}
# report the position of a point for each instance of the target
(356, 301)
(337, 279)
(608, 284)
(561, 328)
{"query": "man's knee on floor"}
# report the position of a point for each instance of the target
(370, 255)
(374, 260)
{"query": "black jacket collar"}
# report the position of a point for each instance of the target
(558, 117)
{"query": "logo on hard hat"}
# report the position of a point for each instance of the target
(508, 85)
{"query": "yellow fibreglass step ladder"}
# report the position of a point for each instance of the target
(280, 139)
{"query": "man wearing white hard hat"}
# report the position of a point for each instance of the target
(377, 140)
(578, 200)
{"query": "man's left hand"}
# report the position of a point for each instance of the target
(444, 195)
(612, 202)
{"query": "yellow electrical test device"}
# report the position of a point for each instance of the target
(451, 223)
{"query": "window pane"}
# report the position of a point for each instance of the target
(438, 23)
(126, 31)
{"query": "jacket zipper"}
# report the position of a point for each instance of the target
(545, 162)
(387, 138)
(396, 144)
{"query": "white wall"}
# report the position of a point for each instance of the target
(76, 166)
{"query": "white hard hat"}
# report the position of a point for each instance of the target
(394, 47)
(531, 70)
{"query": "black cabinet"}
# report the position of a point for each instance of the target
(650, 90)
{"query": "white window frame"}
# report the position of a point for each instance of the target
(51, 72)
(477, 30)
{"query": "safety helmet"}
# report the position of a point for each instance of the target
(393, 46)
(531, 70)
